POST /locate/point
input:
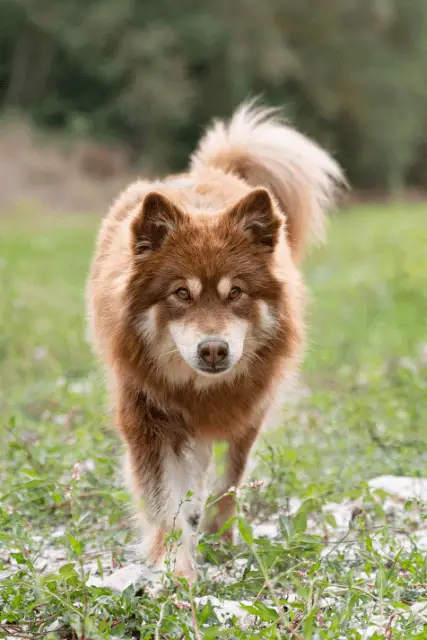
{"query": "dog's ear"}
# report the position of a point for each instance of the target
(255, 215)
(156, 218)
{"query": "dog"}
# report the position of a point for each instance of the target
(196, 310)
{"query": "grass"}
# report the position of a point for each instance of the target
(364, 415)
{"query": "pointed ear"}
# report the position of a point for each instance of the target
(254, 214)
(157, 217)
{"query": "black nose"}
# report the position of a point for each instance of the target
(213, 351)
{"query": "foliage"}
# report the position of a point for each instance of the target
(149, 74)
(365, 416)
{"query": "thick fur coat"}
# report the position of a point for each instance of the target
(196, 309)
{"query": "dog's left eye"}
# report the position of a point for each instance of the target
(183, 294)
(235, 293)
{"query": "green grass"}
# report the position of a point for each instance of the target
(365, 415)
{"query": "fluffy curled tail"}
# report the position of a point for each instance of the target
(258, 146)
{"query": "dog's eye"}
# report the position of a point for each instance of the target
(235, 293)
(183, 294)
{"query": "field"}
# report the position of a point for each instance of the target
(324, 552)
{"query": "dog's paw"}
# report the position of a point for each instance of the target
(184, 565)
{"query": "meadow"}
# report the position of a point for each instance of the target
(323, 553)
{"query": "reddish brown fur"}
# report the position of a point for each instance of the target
(163, 419)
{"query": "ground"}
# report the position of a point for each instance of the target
(325, 552)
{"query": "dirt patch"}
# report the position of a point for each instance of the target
(58, 177)
(410, 195)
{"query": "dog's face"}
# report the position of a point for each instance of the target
(203, 297)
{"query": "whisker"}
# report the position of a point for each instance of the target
(252, 356)
(169, 353)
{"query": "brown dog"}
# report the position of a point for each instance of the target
(195, 306)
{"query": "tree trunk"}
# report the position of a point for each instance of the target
(43, 58)
(21, 62)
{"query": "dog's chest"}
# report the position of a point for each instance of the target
(216, 416)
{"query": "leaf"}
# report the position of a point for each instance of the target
(246, 531)
(76, 545)
(330, 519)
(309, 505)
(300, 522)
(308, 626)
(286, 527)
(31, 473)
(267, 614)
(401, 605)
(19, 557)
(212, 633)
(205, 613)
(226, 525)
(67, 570)
(114, 517)
(33, 484)
(381, 582)
(100, 568)
(209, 553)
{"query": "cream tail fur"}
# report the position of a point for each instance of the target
(258, 146)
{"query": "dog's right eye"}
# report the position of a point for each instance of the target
(183, 294)
(235, 293)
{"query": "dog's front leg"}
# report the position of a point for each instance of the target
(160, 472)
(157, 477)
(224, 502)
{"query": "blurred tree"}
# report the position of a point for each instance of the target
(149, 74)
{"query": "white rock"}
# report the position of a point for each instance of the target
(294, 505)
(266, 530)
(421, 538)
(240, 563)
(225, 609)
(403, 487)
(420, 608)
(342, 512)
(58, 532)
(370, 631)
(123, 578)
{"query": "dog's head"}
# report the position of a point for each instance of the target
(203, 296)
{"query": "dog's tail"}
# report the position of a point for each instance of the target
(258, 146)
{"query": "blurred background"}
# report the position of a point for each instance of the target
(97, 91)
